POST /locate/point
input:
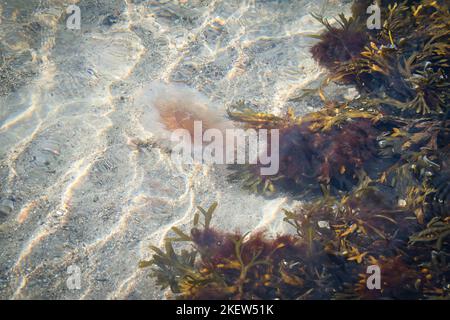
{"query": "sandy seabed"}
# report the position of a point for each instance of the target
(76, 187)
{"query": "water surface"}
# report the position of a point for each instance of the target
(75, 190)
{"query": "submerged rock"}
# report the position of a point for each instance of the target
(6, 207)
(110, 20)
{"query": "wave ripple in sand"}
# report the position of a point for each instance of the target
(83, 194)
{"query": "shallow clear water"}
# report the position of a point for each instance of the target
(75, 190)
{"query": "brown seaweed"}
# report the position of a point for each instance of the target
(405, 64)
(326, 258)
(328, 148)
(379, 167)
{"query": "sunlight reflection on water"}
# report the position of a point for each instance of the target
(82, 192)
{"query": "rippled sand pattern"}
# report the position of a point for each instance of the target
(76, 186)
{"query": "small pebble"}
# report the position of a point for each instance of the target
(402, 203)
(323, 224)
(110, 20)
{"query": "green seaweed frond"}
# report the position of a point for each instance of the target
(437, 230)
(168, 267)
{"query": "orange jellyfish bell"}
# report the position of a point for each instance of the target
(168, 107)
